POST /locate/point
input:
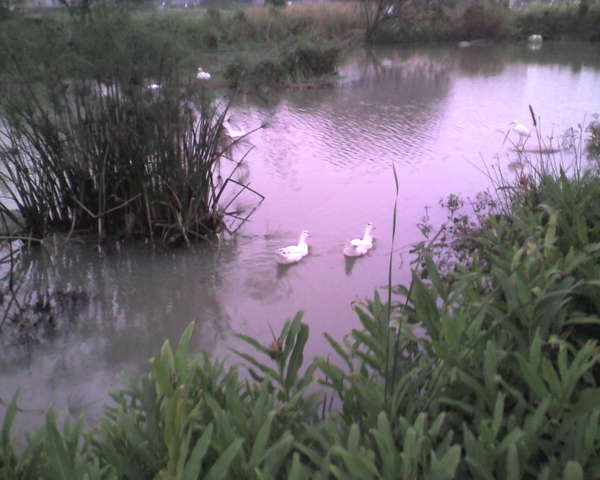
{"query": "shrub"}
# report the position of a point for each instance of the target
(308, 60)
(484, 20)
(235, 71)
(593, 143)
(268, 72)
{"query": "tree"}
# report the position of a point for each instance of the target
(375, 12)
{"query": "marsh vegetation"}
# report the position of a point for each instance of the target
(484, 364)
(106, 129)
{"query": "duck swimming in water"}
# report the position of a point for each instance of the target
(294, 253)
(360, 246)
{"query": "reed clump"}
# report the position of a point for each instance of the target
(128, 143)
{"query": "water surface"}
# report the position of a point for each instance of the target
(324, 163)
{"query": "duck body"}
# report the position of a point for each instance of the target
(294, 253)
(358, 247)
(202, 75)
(520, 130)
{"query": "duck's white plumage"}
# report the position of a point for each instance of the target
(520, 129)
(202, 75)
(359, 246)
(294, 253)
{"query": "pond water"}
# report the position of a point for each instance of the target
(324, 163)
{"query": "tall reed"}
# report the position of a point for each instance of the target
(128, 144)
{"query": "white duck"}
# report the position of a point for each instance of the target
(294, 253)
(202, 75)
(359, 246)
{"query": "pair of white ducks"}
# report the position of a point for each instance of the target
(356, 247)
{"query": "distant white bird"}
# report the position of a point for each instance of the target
(294, 253)
(202, 75)
(359, 246)
(535, 39)
(521, 130)
(153, 86)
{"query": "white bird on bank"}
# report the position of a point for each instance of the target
(359, 246)
(202, 75)
(535, 39)
(294, 253)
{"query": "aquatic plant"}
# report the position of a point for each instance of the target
(593, 143)
(303, 61)
(127, 145)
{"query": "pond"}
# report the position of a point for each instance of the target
(324, 162)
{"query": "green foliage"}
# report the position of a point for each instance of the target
(455, 21)
(558, 21)
(593, 144)
(300, 62)
(484, 20)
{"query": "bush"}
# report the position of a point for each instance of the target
(308, 61)
(484, 20)
(235, 72)
(593, 143)
(268, 72)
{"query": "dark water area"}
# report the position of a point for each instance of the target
(324, 162)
